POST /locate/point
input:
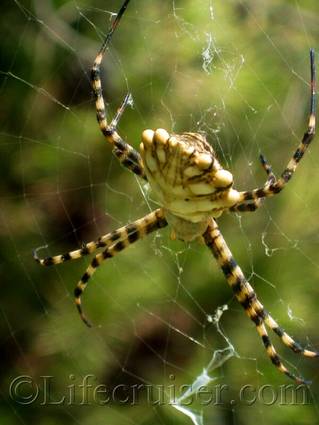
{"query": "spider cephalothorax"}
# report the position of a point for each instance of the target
(193, 190)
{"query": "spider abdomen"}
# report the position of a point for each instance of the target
(186, 176)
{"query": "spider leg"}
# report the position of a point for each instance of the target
(87, 248)
(124, 152)
(127, 235)
(246, 207)
(285, 338)
(244, 293)
(127, 155)
(267, 167)
(277, 185)
(255, 204)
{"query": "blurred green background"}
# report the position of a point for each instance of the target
(237, 70)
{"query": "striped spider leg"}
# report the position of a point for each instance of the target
(250, 201)
(275, 186)
(247, 297)
(113, 243)
(256, 203)
(125, 153)
(193, 190)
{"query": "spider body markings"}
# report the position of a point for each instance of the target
(187, 179)
(193, 190)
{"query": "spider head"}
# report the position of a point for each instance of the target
(183, 171)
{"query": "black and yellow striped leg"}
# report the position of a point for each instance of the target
(87, 248)
(255, 204)
(276, 186)
(244, 293)
(246, 207)
(129, 157)
(126, 236)
(295, 346)
(267, 167)
(125, 153)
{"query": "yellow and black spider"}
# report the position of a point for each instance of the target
(194, 190)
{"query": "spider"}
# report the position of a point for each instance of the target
(194, 190)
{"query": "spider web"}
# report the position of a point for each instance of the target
(167, 335)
